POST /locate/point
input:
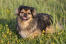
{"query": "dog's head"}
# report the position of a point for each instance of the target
(25, 12)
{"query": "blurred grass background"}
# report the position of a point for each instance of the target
(8, 35)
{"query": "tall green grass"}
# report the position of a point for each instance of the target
(8, 35)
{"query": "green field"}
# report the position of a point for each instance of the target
(8, 35)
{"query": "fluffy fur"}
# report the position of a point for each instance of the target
(31, 24)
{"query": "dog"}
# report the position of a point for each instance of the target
(30, 23)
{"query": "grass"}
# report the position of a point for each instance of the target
(8, 35)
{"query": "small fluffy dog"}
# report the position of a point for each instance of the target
(31, 24)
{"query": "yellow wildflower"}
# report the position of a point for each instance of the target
(41, 41)
(52, 43)
(8, 11)
(7, 31)
(10, 33)
(43, 31)
(60, 32)
(4, 35)
(8, 42)
(7, 25)
(42, 34)
(17, 41)
(1, 41)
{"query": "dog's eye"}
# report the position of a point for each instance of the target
(29, 13)
(21, 12)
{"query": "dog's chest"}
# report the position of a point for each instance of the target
(24, 30)
(24, 34)
(24, 25)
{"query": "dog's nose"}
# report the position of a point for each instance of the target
(25, 15)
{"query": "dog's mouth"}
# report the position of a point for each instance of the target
(24, 18)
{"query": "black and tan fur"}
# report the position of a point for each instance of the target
(31, 24)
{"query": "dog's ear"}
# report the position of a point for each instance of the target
(17, 11)
(34, 12)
